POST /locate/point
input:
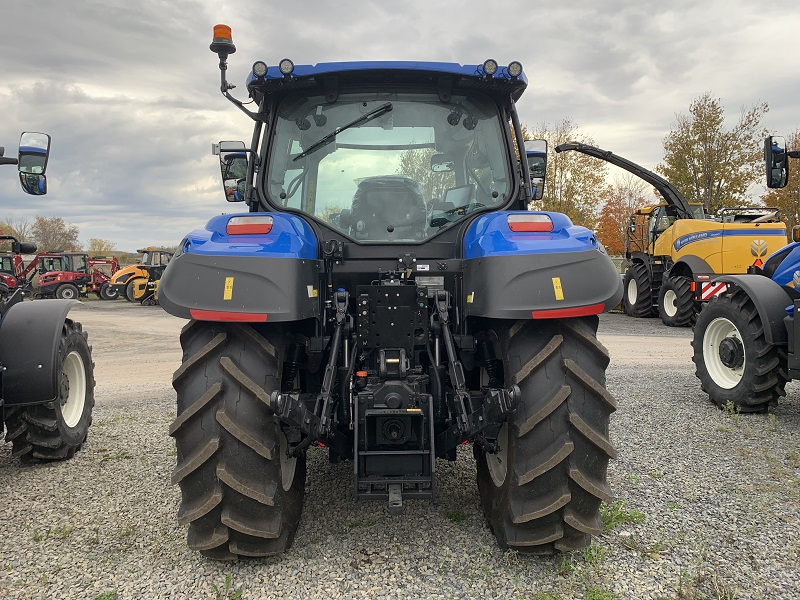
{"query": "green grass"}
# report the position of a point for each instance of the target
(615, 514)
(106, 596)
(596, 593)
(455, 514)
(228, 592)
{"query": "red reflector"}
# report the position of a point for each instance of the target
(578, 311)
(693, 286)
(249, 225)
(529, 223)
(218, 315)
(759, 263)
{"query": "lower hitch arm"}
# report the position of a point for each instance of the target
(496, 405)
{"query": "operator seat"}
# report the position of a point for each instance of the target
(387, 208)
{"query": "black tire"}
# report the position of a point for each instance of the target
(67, 291)
(239, 495)
(733, 360)
(56, 430)
(130, 289)
(637, 298)
(545, 496)
(107, 292)
(676, 304)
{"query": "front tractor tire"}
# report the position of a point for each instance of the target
(57, 429)
(636, 298)
(241, 494)
(734, 362)
(130, 290)
(541, 493)
(107, 292)
(67, 291)
(676, 304)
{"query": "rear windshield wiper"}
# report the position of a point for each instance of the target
(373, 114)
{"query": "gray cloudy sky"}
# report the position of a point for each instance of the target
(129, 90)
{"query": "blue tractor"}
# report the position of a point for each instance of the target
(387, 295)
(46, 368)
(745, 339)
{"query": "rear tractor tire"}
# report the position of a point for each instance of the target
(541, 493)
(241, 494)
(636, 297)
(734, 362)
(56, 430)
(676, 303)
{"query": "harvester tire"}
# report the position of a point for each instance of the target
(735, 364)
(55, 430)
(676, 304)
(67, 291)
(241, 494)
(636, 298)
(541, 493)
(107, 292)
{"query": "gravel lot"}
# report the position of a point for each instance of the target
(707, 501)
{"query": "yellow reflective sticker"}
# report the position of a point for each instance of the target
(469, 297)
(557, 288)
(228, 293)
(414, 410)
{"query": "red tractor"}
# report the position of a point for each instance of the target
(69, 275)
(9, 271)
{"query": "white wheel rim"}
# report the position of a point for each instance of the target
(498, 463)
(670, 303)
(288, 465)
(67, 293)
(75, 372)
(633, 291)
(724, 376)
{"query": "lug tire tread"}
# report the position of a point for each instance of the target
(38, 431)
(764, 379)
(558, 438)
(643, 307)
(228, 465)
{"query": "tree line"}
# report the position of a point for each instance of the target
(53, 233)
(708, 162)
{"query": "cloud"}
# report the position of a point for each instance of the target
(130, 91)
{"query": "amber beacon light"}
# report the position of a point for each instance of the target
(223, 40)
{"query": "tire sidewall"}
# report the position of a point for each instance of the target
(108, 293)
(130, 290)
(67, 291)
(76, 435)
(722, 307)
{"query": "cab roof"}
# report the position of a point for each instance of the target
(330, 76)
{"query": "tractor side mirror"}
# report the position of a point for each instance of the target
(233, 169)
(34, 150)
(776, 161)
(36, 185)
(536, 151)
(632, 224)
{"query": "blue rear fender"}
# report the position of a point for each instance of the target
(564, 272)
(218, 275)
